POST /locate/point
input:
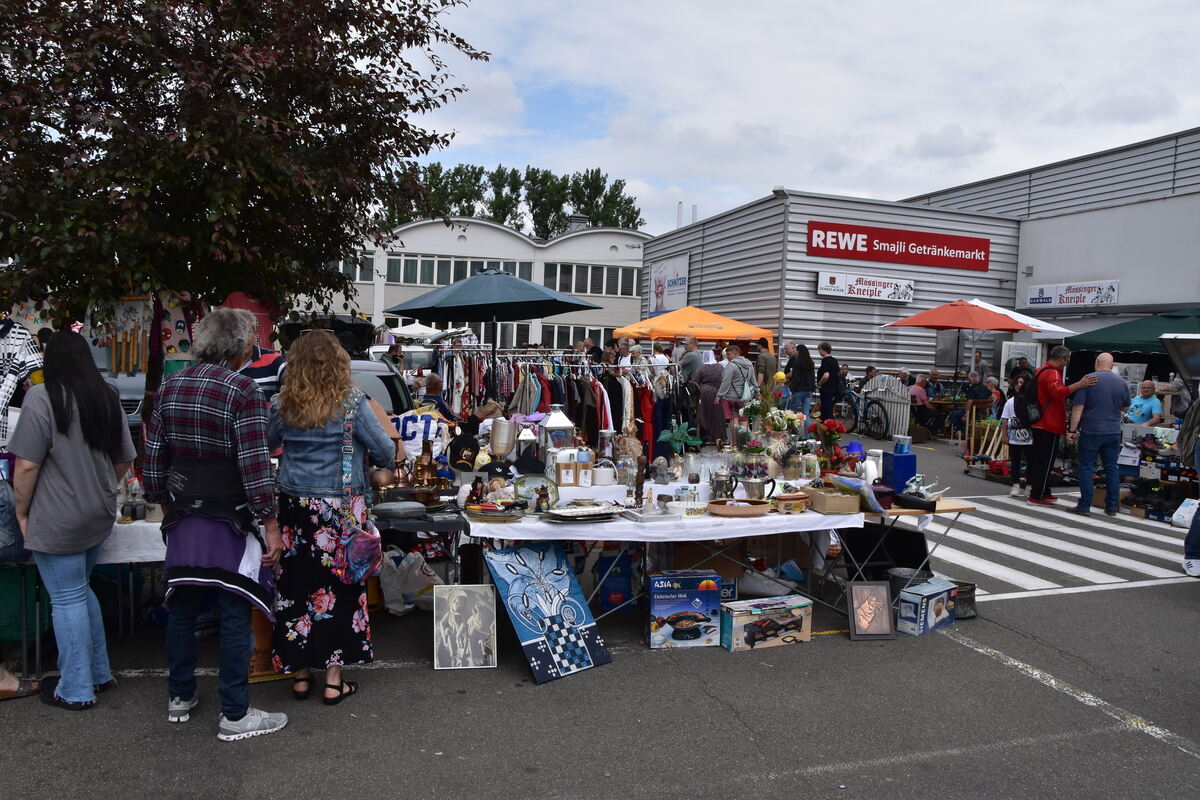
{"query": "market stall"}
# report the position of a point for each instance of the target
(691, 321)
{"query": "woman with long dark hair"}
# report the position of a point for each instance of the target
(72, 446)
(801, 377)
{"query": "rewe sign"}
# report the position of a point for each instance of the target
(897, 246)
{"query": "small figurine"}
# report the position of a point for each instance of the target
(542, 503)
(477, 491)
(916, 487)
(639, 481)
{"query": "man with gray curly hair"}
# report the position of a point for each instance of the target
(207, 462)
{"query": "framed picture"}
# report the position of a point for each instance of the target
(870, 609)
(464, 627)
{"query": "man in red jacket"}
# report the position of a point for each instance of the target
(1052, 399)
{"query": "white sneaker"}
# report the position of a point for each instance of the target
(1016, 491)
(1191, 567)
(180, 710)
(255, 723)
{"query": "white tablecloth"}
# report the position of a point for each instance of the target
(134, 542)
(693, 529)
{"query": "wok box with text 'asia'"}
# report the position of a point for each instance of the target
(685, 608)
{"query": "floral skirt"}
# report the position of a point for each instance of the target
(319, 621)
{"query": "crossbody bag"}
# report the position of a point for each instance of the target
(359, 553)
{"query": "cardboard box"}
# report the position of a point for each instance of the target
(685, 608)
(621, 583)
(692, 555)
(766, 622)
(927, 607)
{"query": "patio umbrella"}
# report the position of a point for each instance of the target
(961, 316)
(1138, 335)
(1042, 329)
(692, 321)
(491, 295)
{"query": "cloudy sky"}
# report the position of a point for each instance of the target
(714, 103)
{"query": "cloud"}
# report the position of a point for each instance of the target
(694, 101)
(949, 142)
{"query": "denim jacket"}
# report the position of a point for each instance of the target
(311, 465)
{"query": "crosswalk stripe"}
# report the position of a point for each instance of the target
(1050, 542)
(1151, 536)
(990, 568)
(1021, 554)
(1099, 538)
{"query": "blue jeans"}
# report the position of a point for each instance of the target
(78, 626)
(1191, 542)
(1108, 447)
(233, 681)
(800, 401)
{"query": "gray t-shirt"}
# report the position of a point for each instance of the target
(689, 364)
(1102, 404)
(75, 498)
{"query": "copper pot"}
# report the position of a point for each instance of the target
(382, 478)
(402, 476)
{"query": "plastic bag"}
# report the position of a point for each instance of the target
(407, 582)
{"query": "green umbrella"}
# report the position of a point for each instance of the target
(1138, 335)
(491, 295)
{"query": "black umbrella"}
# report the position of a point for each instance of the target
(491, 295)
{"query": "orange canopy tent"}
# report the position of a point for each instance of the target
(691, 321)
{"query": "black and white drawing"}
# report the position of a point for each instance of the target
(464, 627)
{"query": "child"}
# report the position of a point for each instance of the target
(1019, 439)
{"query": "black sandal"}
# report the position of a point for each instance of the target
(346, 689)
(299, 694)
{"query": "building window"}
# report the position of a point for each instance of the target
(597, 286)
(395, 268)
(366, 266)
(564, 337)
(392, 322)
(629, 277)
(460, 270)
(581, 277)
(427, 271)
(525, 270)
(410, 271)
(565, 274)
(550, 279)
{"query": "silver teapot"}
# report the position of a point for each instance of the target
(755, 488)
(722, 484)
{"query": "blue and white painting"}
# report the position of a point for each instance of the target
(554, 625)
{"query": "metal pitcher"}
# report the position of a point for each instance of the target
(754, 488)
(722, 485)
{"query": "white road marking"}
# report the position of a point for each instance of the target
(1126, 718)
(1069, 547)
(1099, 538)
(1021, 554)
(948, 754)
(1105, 523)
(991, 569)
(1090, 588)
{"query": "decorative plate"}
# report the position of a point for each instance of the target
(526, 488)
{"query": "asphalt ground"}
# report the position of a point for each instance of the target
(1080, 695)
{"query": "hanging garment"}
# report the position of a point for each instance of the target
(712, 416)
(662, 418)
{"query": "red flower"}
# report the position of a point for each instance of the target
(812, 428)
(322, 601)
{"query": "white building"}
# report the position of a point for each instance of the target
(601, 265)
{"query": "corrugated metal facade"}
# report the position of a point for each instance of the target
(852, 327)
(1157, 168)
(734, 269)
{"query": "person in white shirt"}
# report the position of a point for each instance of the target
(623, 355)
(659, 358)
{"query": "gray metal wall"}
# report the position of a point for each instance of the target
(734, 269)
(852, 327)
(1169, 165)
(734, 263)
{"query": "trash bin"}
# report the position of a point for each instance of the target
(899, 577)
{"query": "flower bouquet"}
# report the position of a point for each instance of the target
(834, 457)
(781, 420)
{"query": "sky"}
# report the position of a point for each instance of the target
(715, 103)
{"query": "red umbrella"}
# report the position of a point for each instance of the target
(960, 315)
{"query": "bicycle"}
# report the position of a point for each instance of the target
(845, 410)
(875, 420)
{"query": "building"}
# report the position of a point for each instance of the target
(819, 267)
(1086, 243)
(1104, 237)
(601, 265)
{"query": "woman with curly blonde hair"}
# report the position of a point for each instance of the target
(320, 622)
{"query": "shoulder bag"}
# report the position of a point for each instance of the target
(359, 553)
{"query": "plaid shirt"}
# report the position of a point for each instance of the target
(209, 411)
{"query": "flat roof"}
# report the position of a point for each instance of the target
(1064, 162)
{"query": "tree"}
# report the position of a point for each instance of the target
(457, 191)
(209, 146)
(503, 205)
(546, 196)
(605, 205)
